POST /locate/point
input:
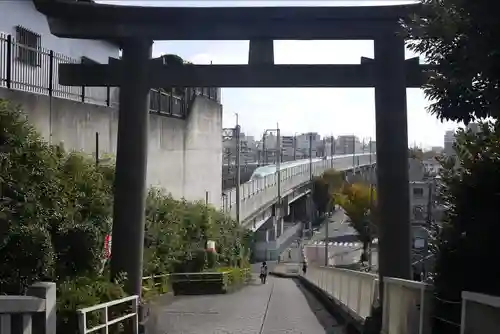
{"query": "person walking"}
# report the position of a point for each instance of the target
(304, 268)
(263, 272)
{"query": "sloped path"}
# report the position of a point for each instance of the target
(280, 306)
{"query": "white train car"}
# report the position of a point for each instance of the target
(340, 161)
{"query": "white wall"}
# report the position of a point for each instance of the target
(36, 78)
(24, 13)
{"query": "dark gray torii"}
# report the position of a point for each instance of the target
(136, 27)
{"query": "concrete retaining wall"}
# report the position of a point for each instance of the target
(185, 156)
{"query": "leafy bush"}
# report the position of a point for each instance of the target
(177, 232)
(236, 275)
(83, 292)
(55, 211)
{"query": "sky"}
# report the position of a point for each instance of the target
(328, 111)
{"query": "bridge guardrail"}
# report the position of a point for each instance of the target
(407, 304)
(257, 193)
(355, 291)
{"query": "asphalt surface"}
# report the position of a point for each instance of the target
(344, 249)
(338, 229)
(280, 306)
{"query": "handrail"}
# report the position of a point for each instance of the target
(133, 314)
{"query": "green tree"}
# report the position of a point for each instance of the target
(415, 153)
(324, 187)
(320, 195)
(358, 202)
(460, 38)
(469, 234)
(334, 180)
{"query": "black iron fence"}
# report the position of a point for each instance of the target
(35, 70)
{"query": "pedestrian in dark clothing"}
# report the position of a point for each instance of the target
(304, 268)
(263, 272)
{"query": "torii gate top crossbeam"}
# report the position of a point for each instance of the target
(97, 21)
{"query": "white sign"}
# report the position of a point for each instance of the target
(211, 245)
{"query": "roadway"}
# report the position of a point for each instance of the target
(280, 306)
(344, 246)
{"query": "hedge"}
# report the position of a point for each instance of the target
(56, 210)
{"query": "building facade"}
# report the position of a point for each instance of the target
(449, 141)
(36, 53)
(22, 20)
(348, 144)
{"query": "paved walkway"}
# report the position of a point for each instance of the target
(278, 307)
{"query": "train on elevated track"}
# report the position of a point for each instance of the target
(263, 171)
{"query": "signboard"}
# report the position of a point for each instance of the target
(107, 246)
(211, 246)
(419, 243)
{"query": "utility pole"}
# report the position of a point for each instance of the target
(354, 155)
(428, 228)
(238, 171)
(294, 148)
(311, 214)
(310, 158)
(264, 155)
(278, 160)
(370, 222)
(332, 148)
(97, 149)
(327, 232)
(324, 148)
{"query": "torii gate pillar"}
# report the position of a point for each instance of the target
(392, 156)
(131, 165)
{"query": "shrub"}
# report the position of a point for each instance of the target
(55, 207)
(81, 292)
(55, 211)
(177, 232)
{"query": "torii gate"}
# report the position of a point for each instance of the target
(136, 28)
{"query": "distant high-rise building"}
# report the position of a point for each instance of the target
(449, 141)
(287, 147)
(474, 127)
(347, 144)
(372, 146)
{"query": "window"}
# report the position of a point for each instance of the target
(418, 212)
(418, 192)
(28, 45)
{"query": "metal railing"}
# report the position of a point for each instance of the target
(480, 313)
(106, 322)
(35, 311)
(36, 70)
